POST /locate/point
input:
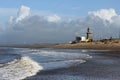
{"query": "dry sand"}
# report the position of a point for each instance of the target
(91, 45)
(113, 45)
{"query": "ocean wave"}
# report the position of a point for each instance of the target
(31, 61)
(61, 64)
(25, 67)
(55, 59)
(6, 59)
(59, 54)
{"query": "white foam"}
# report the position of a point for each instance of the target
(61, 64)
(8, 63)
(20, 70)
(56, 60)
(52, 59)
(40, 59)
(60, 54)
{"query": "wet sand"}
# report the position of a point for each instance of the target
(105, 65)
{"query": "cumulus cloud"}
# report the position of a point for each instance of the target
(23, 13)
(105, 14)
(53, 18)
(51, 29)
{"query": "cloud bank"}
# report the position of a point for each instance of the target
(104, 14)
(53, 18)
(27, 28)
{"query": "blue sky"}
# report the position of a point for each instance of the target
(67, 7)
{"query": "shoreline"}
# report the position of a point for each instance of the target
(90, 45)
(80, 45)
(103, 66)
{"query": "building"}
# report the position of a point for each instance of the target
(89, 35)
(80, 39)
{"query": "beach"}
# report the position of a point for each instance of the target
(64, 61)
(103, 66)
(91, 45)
(59, 40)
(114, 45)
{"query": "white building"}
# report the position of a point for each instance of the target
(83, 39)
(80, 39)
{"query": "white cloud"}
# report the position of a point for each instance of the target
(36, 28)
(53, 18)
(105, 14)
(23, 13)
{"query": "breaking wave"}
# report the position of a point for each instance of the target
(23, 68)
(27, 62)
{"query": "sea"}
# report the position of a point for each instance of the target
(57, 64)
(19, 63)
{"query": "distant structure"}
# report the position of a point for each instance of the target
(89, 35)
(79, 38)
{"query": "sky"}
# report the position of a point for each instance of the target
(57, 21)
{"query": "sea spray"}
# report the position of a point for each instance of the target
(25, 67)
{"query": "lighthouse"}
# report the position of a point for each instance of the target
(89, 35)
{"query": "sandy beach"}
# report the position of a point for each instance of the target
(115, 45)
(104, 64)
(91, 45)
